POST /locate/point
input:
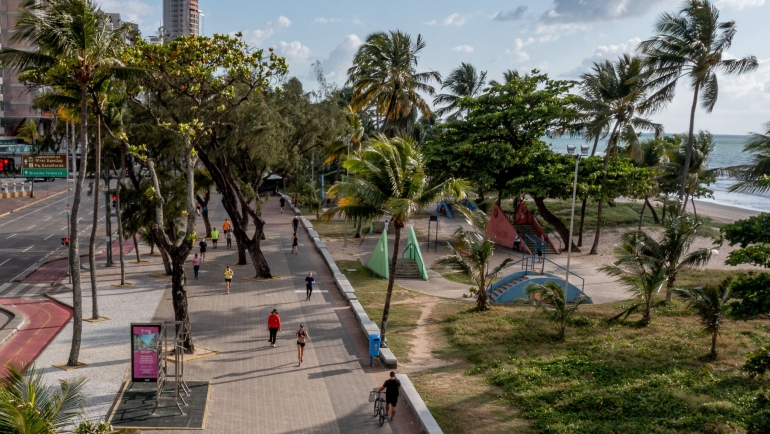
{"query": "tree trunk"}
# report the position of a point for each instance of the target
(582, 220)
(74, 259)
(482, 299)
(136, 250)
(358, 227)
(694, 211)
(108, 213)
(714, 344)
(32, 192)
(556, 222)
(665, 205)
(398, 225)
(641, 216)
(92, 242)
(669, 287)
(204, 203)
(166, 260)
(122, 256)
(595, 246)
(242, 249)
(688, 154)
(652, 210)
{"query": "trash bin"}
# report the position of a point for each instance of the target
(374, 347)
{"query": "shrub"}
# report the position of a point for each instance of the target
(757, 363)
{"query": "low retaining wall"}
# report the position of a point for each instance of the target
(417, 407)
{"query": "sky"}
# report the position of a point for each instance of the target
(559, 37)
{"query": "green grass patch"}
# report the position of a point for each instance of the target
(371, 291)
(452, 276)
(605, 378)
(696, 277)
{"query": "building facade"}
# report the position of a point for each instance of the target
(181, 17)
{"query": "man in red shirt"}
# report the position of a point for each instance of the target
(274, 326)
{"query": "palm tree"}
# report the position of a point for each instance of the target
(617, 94)
(699, 176)
(28, 405)
(472, 255)
(75, 48)
(755, 177)
(388, 177)
(710, 304)
(384, 77)
(551, 300)
(28, 132)
(653, 157)
(692, 43)
(642, 274)
(463, 82)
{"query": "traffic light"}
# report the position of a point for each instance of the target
(7, 165)
(65, 241)
(114, 201)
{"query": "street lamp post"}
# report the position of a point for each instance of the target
(347, 141)
(583, 152)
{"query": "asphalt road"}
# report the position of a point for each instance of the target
(31, 236)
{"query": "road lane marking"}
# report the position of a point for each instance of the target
(27, 248)
(47, 237)
(49, 218)
(65, 227)
(30, 227)
(5, 262)
(11, 237)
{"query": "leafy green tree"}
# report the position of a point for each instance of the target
(641, 273)
(752, 296)
(384, 77)
(552, 301)
(28, 405)
(203, 186)
(652, 156)
(699, 176)
(463, 82)
(710, 304)
(472, 254)
(388, 177)
(752, 290)
(755, 177)
(692, 43)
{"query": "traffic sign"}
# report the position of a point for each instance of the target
(44, 166)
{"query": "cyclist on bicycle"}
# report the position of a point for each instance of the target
(391, 387)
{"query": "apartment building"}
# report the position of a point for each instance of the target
(181, 17)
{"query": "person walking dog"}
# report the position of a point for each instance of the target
(228, 278)
(273, 326)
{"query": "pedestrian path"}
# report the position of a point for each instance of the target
(23, 289)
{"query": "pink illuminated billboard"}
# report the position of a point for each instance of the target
(144, 353)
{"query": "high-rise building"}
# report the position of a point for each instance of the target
(180, 17)
(15, 99)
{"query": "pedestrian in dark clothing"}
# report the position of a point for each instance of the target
(273, 326)
(309, 281)
(295, 224)
(203, 247)
(294, 244)
(283, 202)
(391, 387)
(229, 238)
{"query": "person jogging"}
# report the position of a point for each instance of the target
(196, 261)
(309, 281)
(391, 387)
(203, 245)
(295, 224)
(228, 279)
(283, 202)
(229, 239)
(226, 226)
(214, 237)
(302, 337)
(273, 326)
(294, 244)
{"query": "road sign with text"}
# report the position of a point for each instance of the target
(44, 166)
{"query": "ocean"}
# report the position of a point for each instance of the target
(728, 151)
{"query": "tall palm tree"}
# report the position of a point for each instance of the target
(473, 253)
(754, 177)
(463, 82)
(617, 94)
(699, 176)
(74, 47)
(28, 132)
(652, 156)
(28, 405)
(384, 77)
(710, 304)
(388, 177)
(692, 43)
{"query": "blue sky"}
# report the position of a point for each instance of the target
(560, 37)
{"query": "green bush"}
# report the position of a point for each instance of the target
(759, 414)
(758, 363)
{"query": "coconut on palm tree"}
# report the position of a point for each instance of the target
(472, 254)
(616, 96)
(710, 304)
(692, 43)
(384, 77)
(463, 82)
(388, 177)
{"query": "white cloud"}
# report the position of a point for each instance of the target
(602, 53)
(327, 20)
(256, 37)
(519, 44)
(454, 20)
(463, 48)
(430, 23)
(592, 11)
(512, 15)
(294, 50)
(336, 66)
(357, 21)
(739, 4)
(134, 11)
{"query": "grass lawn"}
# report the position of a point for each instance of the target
(604, 378)
(452, 276)
(370, 291)
(693, 277)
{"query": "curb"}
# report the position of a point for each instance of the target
(101, 248)
(417, 407)
(13, 325)
(33, 203)
(348, 292)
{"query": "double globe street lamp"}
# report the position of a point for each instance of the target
(583, 153)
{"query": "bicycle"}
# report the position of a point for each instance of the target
(379, 407)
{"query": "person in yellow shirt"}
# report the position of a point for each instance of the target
(214, 237)
(228, 278)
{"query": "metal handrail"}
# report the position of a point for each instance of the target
(408, 246)
(583, 287)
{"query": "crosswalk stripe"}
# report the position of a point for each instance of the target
(3, 287)
(7, 287)
(26, 289)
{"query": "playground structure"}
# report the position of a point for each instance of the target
(514, 286)
(504, 226)
(411, 264)
(446, 208)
